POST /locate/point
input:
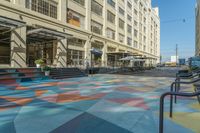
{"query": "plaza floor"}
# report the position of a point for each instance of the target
(98, 104)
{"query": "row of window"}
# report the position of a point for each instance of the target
(46, 7)
(49, 8)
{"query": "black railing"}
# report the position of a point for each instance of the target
(161, 120)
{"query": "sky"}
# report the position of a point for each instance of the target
(174, 30)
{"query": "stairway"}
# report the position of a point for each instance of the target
(18, 75)
(62, 73)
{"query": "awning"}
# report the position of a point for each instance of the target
(124, 53)
(118, 53)
(146, 58)
(96, 52)
(138, 60)
(128, 58)
(10, 23)
(44, 34)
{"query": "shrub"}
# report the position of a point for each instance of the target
(46, 68)
(39, 61)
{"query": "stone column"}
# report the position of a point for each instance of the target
(104, 55)
(61, 54)
(18, 48)
(87, 51)
(62, 10)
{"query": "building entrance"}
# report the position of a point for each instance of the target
(40, 51)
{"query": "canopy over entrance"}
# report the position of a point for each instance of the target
(147, 58)
(45, 35)
(123, 54)
(6, 26)
(96, 51)
(10, 23)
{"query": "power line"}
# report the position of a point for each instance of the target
(178, 20)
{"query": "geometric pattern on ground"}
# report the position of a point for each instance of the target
(98, 104)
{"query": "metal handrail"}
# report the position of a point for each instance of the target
(177, 84)
(161, 111)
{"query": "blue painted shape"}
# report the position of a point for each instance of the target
(87, 123)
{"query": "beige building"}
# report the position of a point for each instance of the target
(69, 32)
(197, 47)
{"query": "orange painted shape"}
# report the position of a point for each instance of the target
(21, 88)
(19, 101)
(40, 92)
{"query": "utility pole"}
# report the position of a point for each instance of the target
(176, 54)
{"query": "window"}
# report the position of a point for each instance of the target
(110, 17)
(110, 33)
(135, 33)
(76, 42)
(75, 57)
(145, 20)
(111, 49)
(135, 12)
(135, 23)
(135, 1)
(144, 39)
(5, 48)
(96, 8)
(129, 41)
(140, 27)
(81, 2)
(129, 5)
(96, 27)
(121, 11)
(135, 44)
(111, 2)
(121, 24)
(144, 48)
(129, 29)
(121, 38)
(129, 17)
(144, 29)
(140, 37)
(75, 19)
(46, 7)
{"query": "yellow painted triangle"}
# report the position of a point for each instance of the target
(188, 120)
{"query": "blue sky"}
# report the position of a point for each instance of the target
(174, 30)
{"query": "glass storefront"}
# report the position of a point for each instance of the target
(75, 58)
(39, 51)
(5, 47)
(4, 53)
(97, 58)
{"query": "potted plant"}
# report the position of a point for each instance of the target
(39, 62)
(47, 70)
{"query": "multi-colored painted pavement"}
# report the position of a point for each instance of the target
(98, 104)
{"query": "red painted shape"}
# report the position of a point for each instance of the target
(134, 102)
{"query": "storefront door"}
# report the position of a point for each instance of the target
(40, 51)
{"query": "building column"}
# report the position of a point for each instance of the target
(87, 51)
(62, 10)
(104, 55)
(18, 48)
(61, 54)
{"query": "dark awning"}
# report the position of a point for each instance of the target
(146, 58)
(96, 52)
(44, 34)
(10, 23)
(123, 53)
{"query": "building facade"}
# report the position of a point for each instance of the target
(197, 46)
(64, 32)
